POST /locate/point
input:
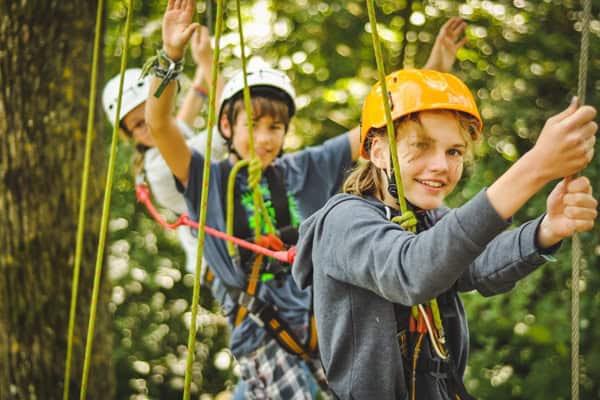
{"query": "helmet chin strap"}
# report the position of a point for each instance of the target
(232, 150)
(392, 187)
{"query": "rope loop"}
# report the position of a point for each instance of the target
(408, 221)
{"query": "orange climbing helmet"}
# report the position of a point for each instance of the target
(414, 90)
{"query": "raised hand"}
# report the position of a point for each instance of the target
(570, 208)
(447, 43)
(566, 144)
(177, 27)
(202, 52)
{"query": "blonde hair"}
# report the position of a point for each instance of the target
(365, 179)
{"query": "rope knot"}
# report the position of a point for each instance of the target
(254, 172)
(407, 221)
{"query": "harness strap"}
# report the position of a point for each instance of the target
(250, 289)
(264, 314)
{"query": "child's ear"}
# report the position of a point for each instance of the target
(380, 152)
(225, 126)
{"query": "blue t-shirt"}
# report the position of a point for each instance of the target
(311, 177)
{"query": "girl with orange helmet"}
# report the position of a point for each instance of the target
(390, 322)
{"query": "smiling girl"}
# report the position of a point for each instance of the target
(390, 322)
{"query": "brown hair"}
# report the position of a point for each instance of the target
(262, 105)
(365, 179)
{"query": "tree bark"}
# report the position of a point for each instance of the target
(45, 62)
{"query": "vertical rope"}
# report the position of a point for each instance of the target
(105, 212)
(83, 198)
(203, 203)
(576, 241)
(386, 107)
(248, 105)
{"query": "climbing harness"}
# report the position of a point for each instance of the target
(248, 304)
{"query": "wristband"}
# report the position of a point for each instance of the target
(162, 66)
(199, 91)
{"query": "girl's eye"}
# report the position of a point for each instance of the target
(455, 152)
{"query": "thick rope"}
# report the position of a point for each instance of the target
(259, 207)
(83, 199)
(576, 248)
(230, 199)
(411, 225)
(231, 209)
(105, 211)
(203, 203)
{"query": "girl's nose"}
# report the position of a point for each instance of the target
(438, 161)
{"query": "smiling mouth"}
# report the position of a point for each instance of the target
(431, 184)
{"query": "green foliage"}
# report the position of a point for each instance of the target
(520, 60)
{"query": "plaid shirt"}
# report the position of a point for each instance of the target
(272, 373)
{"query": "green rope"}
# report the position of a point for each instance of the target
(388, 117)
(231, 209)
(407, 220)
(203, 202)
(105, 212)
(83, 199)
(259, 205)
(576, 247)
(257, 197)
(230, 198)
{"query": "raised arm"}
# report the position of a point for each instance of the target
(176, 32)
(447, 43)
(202, 54)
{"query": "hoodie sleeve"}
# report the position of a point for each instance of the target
(508, 258)
(354, 243)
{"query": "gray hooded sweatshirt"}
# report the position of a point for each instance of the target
(363, 268)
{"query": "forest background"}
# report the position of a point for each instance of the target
(521, 61)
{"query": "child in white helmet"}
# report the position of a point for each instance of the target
(390, 322)
(148, 164)
(293, 187)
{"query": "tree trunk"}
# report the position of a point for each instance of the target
(45, 63)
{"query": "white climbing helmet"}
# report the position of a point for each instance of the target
(264, 77)
(135, 92)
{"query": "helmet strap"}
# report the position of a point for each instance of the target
(232, 150)
(392, 187)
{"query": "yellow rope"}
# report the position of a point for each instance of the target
(105, 212)
(203, 203)
(83, 199)
(411, 223)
